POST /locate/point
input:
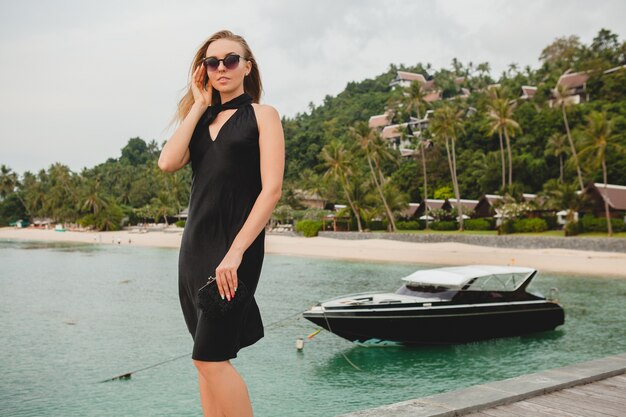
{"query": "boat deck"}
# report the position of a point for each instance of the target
(589, 389)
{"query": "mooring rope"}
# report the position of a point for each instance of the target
(344, 355)
(127, 375)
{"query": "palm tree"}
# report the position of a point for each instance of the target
(162, 205)
(559, 196)
(8, 181)
(34, 191)
(375, 149)
(503, 161)
(177, 187)
(501, 117)
(560, 94)
(121, 178)
(446, 126)
(338, 167)
(483, 70)
(558, 147)
(396, 199)
(363, 196)
(312, 182)
(61, 199)
(423, 143)
(415, 101)
(93, 200)
(10, 184)
(598, 138)
(415, 98)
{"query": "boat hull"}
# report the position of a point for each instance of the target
(438, 325)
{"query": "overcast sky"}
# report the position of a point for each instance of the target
(79, 78)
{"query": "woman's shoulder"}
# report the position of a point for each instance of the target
(265, 113)
(264, 109)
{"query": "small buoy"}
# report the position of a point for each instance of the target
(300, 343)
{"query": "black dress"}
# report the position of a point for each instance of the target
(226, 181)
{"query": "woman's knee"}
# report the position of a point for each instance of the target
(209, 368)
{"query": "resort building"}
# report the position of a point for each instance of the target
(409, 212)
(418, 211)
(432, 96)
(42, 222)
(485, 205)
(528, 92)
(431, 204)
(575, 86)
(404, 79)
(615, 195)
(310, 199)
(183, 214)
(381, 120)
(393, 135)
(468, 206)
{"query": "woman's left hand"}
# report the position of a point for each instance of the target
(226, 274)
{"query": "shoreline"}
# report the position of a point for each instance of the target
(564, 261)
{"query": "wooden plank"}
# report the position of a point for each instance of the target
(499, 411)
(527, 409)
(604, 390)
(556, 403)
(609, 384)
(618, 380)
(585, 395)
(588, 402)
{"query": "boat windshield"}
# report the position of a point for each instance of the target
(426, 291)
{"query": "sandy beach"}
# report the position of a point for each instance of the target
(609, 264)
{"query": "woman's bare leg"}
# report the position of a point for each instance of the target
(227, 387)
(207, 399)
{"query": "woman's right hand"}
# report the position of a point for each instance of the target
(201, 95)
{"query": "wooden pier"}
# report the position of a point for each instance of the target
(602, 398)
(589, 389)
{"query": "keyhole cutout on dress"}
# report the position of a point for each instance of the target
(219, 130)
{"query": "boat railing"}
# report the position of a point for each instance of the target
(503, 282)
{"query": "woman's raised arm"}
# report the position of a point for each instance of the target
(175, 153)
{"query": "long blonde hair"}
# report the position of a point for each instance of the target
(251, 84)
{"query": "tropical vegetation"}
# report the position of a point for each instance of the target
(481, 138)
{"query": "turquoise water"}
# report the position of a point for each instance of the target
(123, 302)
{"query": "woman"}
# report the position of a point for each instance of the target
(236, 149)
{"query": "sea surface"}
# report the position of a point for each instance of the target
(73, 315)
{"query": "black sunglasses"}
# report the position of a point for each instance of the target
(230, 62)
